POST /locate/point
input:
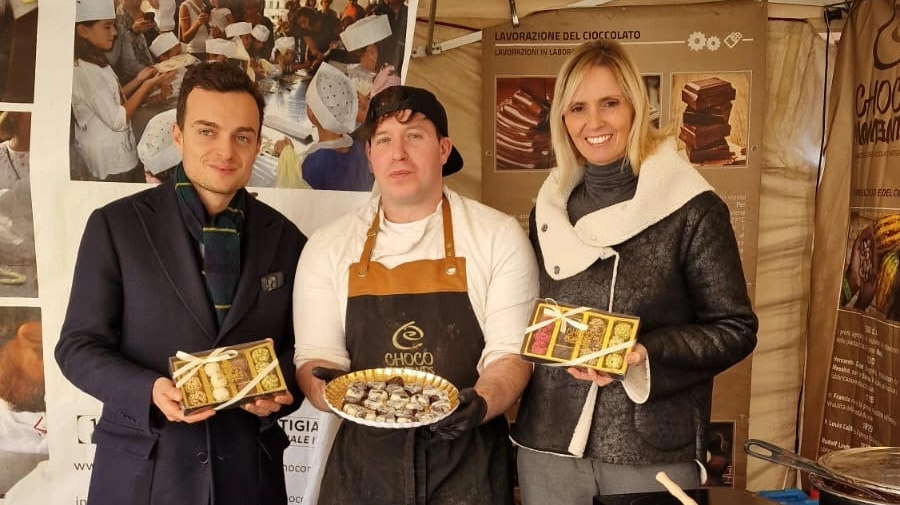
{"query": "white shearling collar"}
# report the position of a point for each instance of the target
(665, 183)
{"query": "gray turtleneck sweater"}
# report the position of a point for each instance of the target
(602, 186)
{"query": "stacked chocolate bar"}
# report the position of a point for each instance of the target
(523, 132)
(705, 124)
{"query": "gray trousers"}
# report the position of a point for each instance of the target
(547, 478)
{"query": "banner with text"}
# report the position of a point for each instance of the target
(853, 355)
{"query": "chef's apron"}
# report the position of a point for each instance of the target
(416, 315)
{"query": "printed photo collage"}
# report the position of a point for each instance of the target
(281, 45)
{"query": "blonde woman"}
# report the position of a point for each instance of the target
(624, 224)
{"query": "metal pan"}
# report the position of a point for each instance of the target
(775, 454)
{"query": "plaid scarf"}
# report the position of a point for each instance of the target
(219, 237)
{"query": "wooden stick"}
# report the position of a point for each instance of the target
(674, 489)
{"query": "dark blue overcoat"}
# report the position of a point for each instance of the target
(137, 298)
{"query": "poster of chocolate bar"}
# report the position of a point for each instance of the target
(703, 70)
(522, 127)
(710, 112)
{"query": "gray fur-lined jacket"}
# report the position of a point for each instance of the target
(669, 256)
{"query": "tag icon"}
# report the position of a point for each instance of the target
(273, 281)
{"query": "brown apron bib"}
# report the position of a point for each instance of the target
(416, 315)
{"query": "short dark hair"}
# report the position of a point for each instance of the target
(220, 77)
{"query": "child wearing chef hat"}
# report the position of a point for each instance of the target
(260, 35)
(240, 30)
(166, 45)
(284, 54)
(335, 162)
(101, 115)
(231, 51)
(370, 75)
(219, 49)
(157, 150)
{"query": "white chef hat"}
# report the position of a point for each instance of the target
(331, 96)
(260, 33)
(224, 47)
(368, 30)
(284, 44)
(239, 52)
(240, 28)
(162, 43)
(92, 10)
(156, 149)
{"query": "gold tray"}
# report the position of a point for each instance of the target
(334, 392)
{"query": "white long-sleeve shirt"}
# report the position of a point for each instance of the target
(102, 131)
(501, 273)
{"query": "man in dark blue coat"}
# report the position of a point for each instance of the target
(189, 265)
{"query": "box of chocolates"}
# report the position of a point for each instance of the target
(564, 335)
(227, 376)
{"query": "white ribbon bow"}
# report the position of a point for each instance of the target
(193, 364)
(558, 313)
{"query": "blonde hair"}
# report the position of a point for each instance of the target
(643, 139)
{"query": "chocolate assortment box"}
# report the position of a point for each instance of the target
(523, 132)
(580, 336)
(227, 376)
(705, 120)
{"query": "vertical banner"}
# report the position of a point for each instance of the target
(703, 68)
(851, 398)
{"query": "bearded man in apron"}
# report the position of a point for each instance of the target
(419, 277)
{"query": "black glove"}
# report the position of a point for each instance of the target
(326, 374)
(471, 411)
